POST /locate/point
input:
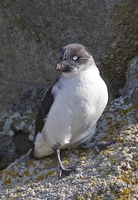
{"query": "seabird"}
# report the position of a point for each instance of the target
(71, 106)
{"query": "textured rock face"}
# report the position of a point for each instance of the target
(131, 87)
(110, 174)
(7, 151)
(16, 133)
(33, 31)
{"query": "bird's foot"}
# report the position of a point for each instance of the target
(99, 146)
(65, 171)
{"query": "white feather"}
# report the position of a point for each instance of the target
(41, 147)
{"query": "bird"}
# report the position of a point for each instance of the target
(71, 106)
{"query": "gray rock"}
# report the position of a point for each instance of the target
(29, 99)
(111, 174)
(33, 31)
(7, 151)
(131, 86)
(16, 135)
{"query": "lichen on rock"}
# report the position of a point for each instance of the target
(110, 174)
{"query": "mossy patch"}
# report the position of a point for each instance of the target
(7, 181)
(124, 194)
(26, 173)
(41, 177)
(127, 177)
(100, 197)
(50, 173)
(31, 163)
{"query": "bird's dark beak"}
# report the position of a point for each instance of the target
(59, 67)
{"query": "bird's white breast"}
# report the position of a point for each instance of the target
(79, 102)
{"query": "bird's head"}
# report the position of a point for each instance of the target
(74, 58)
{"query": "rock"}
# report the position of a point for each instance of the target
(16, 135)
(7, 151)
(33, 32)
(111, 174)
(22, 143)
(131, 86)
(19, 121)
(28, 100)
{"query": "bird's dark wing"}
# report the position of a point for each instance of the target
(44, 109)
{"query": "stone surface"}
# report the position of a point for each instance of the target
(16, 135)
(131, 86)
(32, 33)
(7, 151)
(111, 174)
(19, 121)
(29, 99)
(17, 125)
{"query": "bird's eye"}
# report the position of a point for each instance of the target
(75, 58)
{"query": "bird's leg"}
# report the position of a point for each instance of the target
(99, 146)
(64, 171)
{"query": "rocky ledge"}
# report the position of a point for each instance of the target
(110, 174)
